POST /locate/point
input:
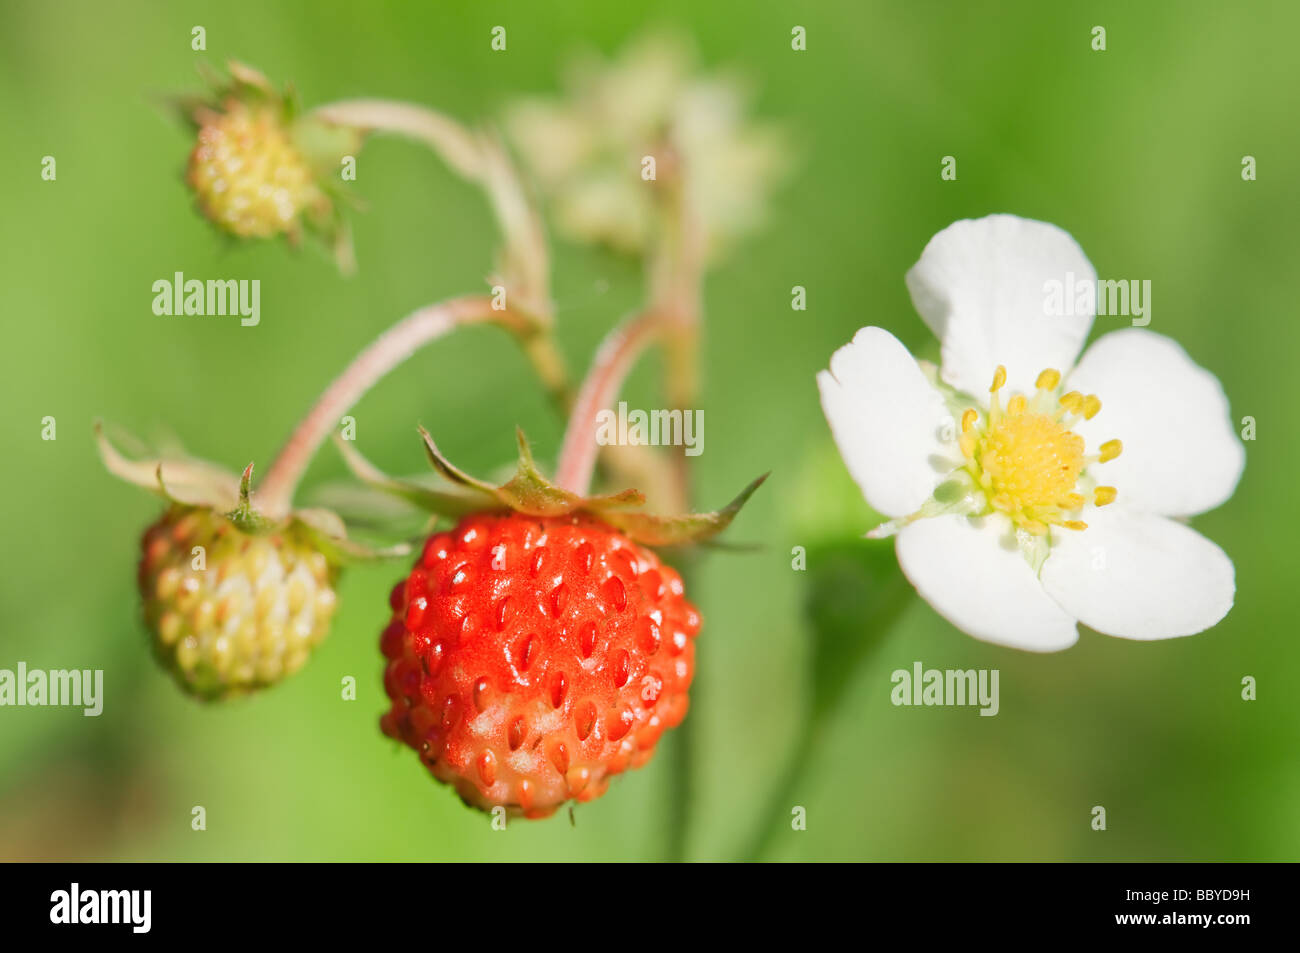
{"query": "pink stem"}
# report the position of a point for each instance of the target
(617, 355)
(480, 158)
(390, 349)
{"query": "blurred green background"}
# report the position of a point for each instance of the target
(1136, 151)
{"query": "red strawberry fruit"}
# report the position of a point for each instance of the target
(533, 658)
(538, 648)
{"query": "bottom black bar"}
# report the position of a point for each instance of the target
(136, 902)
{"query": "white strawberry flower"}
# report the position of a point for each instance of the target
(1030, 489)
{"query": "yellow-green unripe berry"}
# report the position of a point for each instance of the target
(230, 612)
(247, 174)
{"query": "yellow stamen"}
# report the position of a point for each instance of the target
(1027, 460)
(1048, 380)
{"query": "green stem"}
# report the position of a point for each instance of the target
(776, 814)
(775, 818)
(614, 360)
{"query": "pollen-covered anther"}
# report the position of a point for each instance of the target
(999, 379)
(1104, 494)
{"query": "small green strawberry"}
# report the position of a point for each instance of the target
(248, 176)
(260, 168)
(233, 600)
(232, 611)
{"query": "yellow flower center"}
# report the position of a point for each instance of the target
(1027, 458)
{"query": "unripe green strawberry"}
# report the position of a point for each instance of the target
(247, 174)
(231, 611)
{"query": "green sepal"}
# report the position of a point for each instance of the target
(441, 502)
(1035, 549)
(190, 482)
(244, 517)
(530, 492)
(177, 478)
(326, 532)
(678, 530)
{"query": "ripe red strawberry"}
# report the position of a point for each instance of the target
(532, 658)
(538, 648)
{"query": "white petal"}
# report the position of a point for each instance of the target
(972, 572)
(981, 286)
(1181, 454)
(1139, 576)
(887, 419)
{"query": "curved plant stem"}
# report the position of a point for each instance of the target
(386, 352)
(525, 263)
(539, 347)
(615, 358)
(480, 158)
(452, 141)
(676, 276)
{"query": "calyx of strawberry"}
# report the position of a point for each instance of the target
(529, 492)
(189, 481)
